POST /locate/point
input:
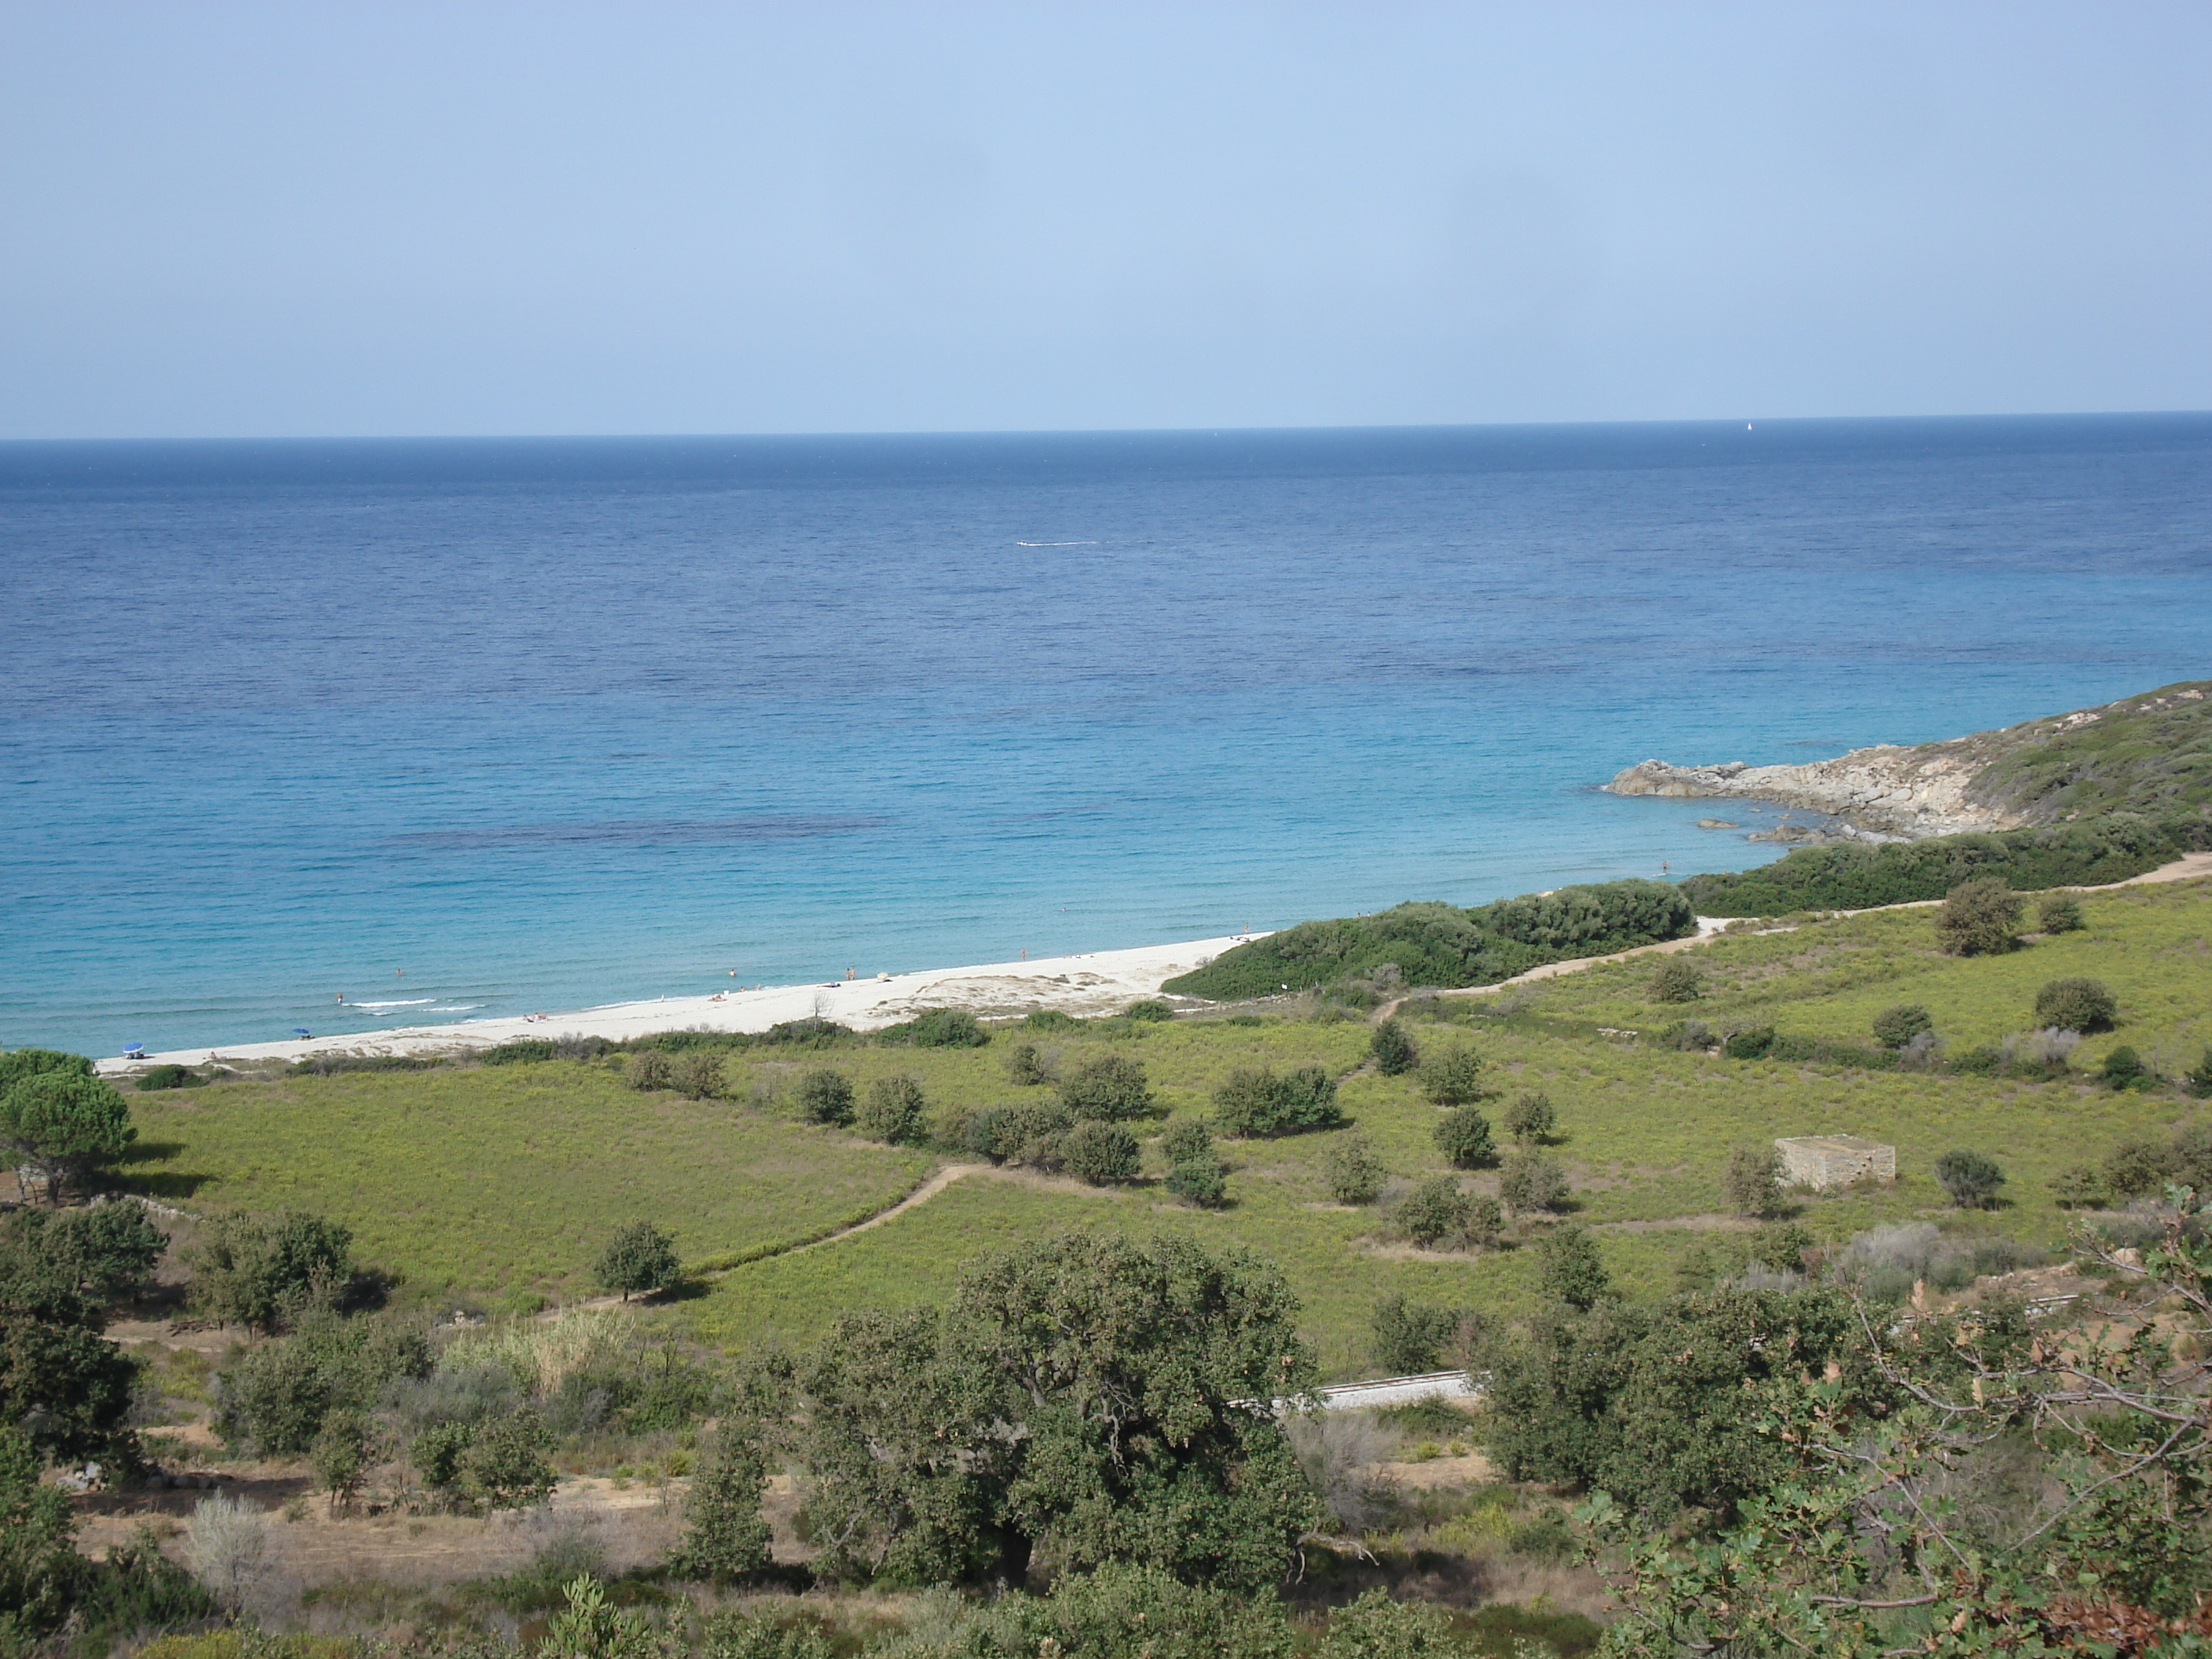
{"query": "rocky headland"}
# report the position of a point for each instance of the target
(2142, 753)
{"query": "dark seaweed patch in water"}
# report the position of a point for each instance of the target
(632, 833)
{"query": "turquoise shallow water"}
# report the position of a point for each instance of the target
(464, 728)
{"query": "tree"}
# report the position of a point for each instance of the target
(1437, 1212)
(726, 1536)
(1393, 1049)
(61, 1122)
(41, 1574)
(1677, 979)
(640, 1258)
(1530, 1117)
(1083, 1392)
(1203, 1181)
(1979, 918)
(1531, 1181)
(1354, 1174)
(274, 1398)
(2124, 1069)
(262, 1270)
(1411, 1337)
(1454, 1078)
(107, 1251)
(894, 1111)
(1258, 1103)
(1463, 1136)
(343, 1453)
(650, 1071)
(1897, 1025)
(1100, 1152)
(504, 1467)
(825, 1097)
(2060, 912)
(2076, 1005)
(1753, 1179)
(1569, 1267)
(1110, 1086)
(1970, 1178)
(1187, 1137)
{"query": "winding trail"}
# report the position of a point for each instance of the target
(922, 1194)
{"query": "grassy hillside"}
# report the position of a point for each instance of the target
(497, 1178)
(2150, 754)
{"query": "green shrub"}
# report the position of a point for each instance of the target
(169, 1077)
(650, 1071)
(1410, 1338)
(1050, 1019)
(1979, 918)
(520, 1051)
(812, 1032)
(1677, 979)
(1393, 1049)
(2124, 1069)
(894, 1111)
(2060, 912)
(262, 1271)
(1202, 1181)
(1752, 1042)
(1108, 1087)
(1352, 1171)
(1025, 1067)
(2198, 1078)
(2076, 1005)
(1187, 1137)
(696, 1076)
(1530, 1182)
(1529, 1117)
(1463, 1136)
(825, 1097)
(1029, 1134)
(2078, 1186)
(1753, 1179)
(938, 1028)
(1258, 1103)
(1148, 1010)
(1454, 1078)
(1569, 1267)
(1437, 1212)
(1895, 1026)
(1100, 1152)
(1970, 1178)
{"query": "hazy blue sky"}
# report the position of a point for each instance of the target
(383, 217)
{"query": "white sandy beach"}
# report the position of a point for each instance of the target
(1100, 982)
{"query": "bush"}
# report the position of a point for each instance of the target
(650, 1071)
(939, 1028)
(2198, 1078)
(1050, 1019)
(1454, 1078)
(1108, 1087)
(2124, 1069)
(1352, 1172)
(1025, 1067)
(825, 1097)
(1148, 1010)
(2076, 1005)
(1411, 1337)
(1437, 1212)
(2060, 912)
(1202, 1181)
(226, 1541)
(1393, 1050)
(1100, 1152)
(1752, 1042)
(169, 1077)
(1979, 918)
(1463, 1136)
(1970, 1178)
(894, 1111)
(274, 1397)
(1896, 1026)
(1569, 1267)
(262, 1271)
(1256, 1104)
(1678, 979)
(727, 1536)
(1187, 1136)
(1530, 1182)
(1530, 1117)
(1753, 1179)
(1029, 1134)
(697, 1075)
(640, 1259)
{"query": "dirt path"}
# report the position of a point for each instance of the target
(922, 1194)
(2189, 867)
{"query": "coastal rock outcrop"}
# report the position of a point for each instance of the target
(1885, 793)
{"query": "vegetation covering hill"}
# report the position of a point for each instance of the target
(2150, 755)
(1444, 945)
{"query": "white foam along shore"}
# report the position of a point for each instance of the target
(1099, 982)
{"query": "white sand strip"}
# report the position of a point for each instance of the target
(1101, 982)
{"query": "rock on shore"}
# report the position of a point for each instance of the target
(1886, 793)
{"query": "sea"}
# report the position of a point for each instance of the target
(459, 728)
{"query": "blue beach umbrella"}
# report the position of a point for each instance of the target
(133, 1050)
(301, 1030)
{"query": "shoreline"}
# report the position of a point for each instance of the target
(1092, 983)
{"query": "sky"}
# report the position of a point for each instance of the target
(312, 219)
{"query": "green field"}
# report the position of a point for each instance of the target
(492, 1180)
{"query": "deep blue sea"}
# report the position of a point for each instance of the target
(465, 728)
